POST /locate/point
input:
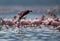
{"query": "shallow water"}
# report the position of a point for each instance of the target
(29, 34)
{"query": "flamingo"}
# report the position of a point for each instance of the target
(8, 22)
(38, 21)
(23, 13)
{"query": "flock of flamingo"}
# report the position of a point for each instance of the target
(20, 21)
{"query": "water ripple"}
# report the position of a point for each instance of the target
(29, 34)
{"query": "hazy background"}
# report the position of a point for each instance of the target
(9, 8)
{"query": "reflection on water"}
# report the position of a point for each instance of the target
(29, 34)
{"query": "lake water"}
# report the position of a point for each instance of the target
(29, 34)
